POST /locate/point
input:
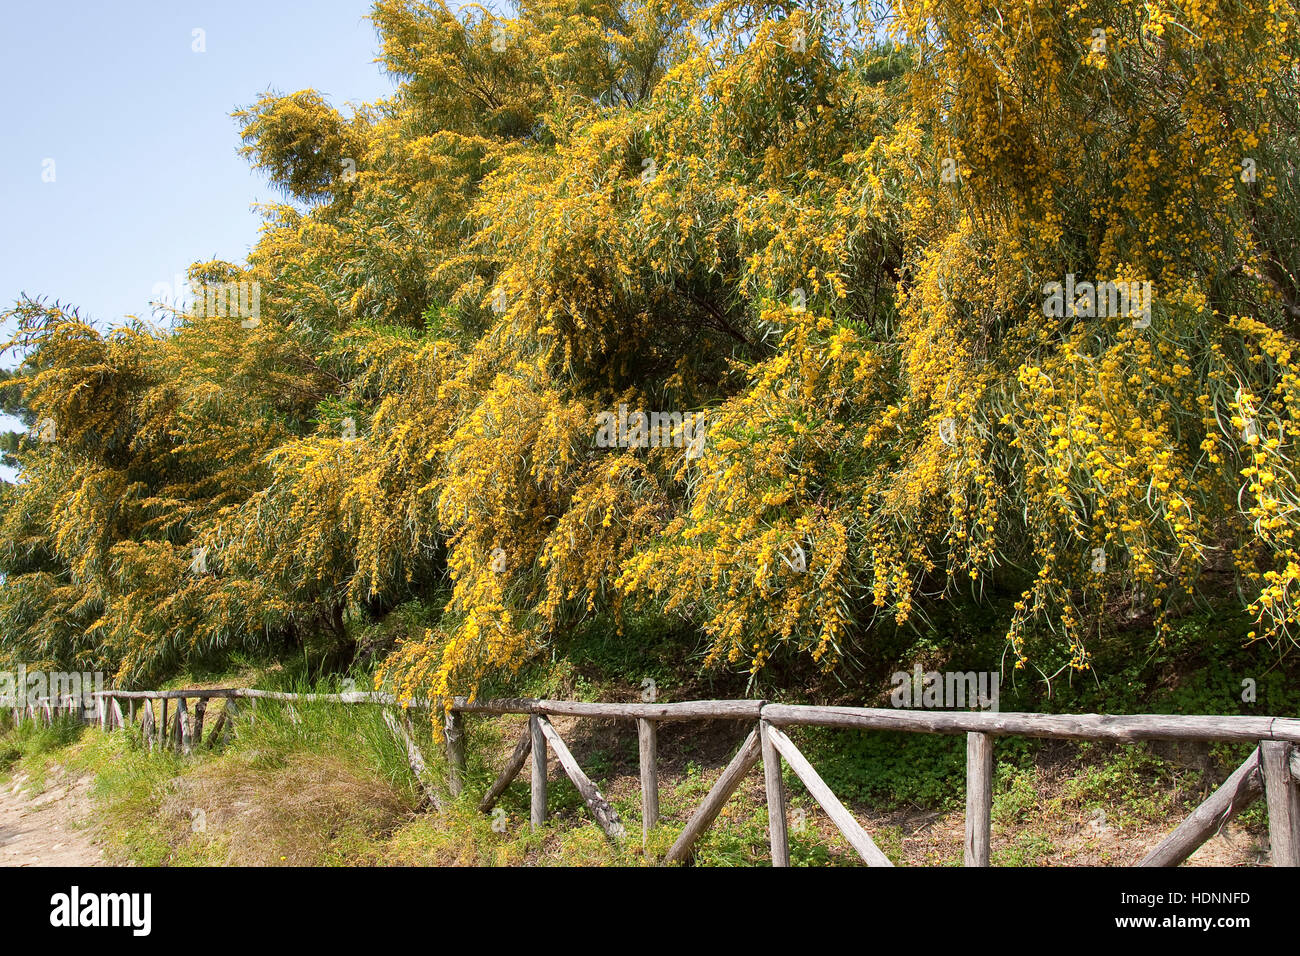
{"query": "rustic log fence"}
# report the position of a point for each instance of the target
(1271, 772)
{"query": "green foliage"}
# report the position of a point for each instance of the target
(30, 738)
(735, 211)
(303, 144)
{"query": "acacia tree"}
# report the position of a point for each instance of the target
(832, 231)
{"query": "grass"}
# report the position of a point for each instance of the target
(323, 784)
(34, 746)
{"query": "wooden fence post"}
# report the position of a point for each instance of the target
(979, 798)
(148, 726)
(513, 766)
(200, 710)
(231, 713)
(648, 746)
(1283, 796)
(402, 731)
(185, 738)
(453, 726)
(776, 823)
(1240, 790)
(605, 815)
(538, 810)
(859, 838)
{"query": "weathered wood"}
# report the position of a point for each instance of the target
(248, 693)
(516, 763)
(648, 750)
(605, 815)
(1064, 726)
(200, 710)
(147, 725)
(746, 757)
(852, 830)
(1245, 785)
(1240, 790)
(453, 729)
(979, 799)
(687, 710)
(185, 737)
(778, 835)
(415, 759)
(537, 811)
(217, 728)
(231, 713)
(1283, 796)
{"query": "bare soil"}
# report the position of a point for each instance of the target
(48, 828)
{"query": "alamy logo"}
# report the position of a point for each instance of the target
(73, 909)
(1126, 299)
(656, 430)
(25, 688)
(241, 300)
(44, 431)
(947, 690)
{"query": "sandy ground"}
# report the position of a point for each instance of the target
(45, 830)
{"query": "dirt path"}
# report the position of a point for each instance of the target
(42, 830)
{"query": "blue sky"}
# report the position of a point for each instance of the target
(146, 178)
(136, 122)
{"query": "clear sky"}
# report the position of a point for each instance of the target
(115, 104)
(134, 123)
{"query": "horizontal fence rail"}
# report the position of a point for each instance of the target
(1271, 772)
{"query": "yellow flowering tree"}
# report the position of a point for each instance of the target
(932, 303)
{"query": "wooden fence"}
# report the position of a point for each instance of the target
(1272, 770)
